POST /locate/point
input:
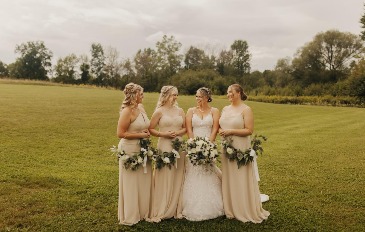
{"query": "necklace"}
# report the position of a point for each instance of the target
(202, 110)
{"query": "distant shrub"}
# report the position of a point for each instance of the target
(309, 100)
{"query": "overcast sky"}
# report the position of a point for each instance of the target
(273, 29)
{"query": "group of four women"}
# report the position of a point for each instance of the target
(194, 192)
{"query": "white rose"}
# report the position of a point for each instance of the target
(166, 160)
(140, 160)
(229, 150)
(213, 154)
(176, 154)
(150, 153)
(124, 157)
(144, 151)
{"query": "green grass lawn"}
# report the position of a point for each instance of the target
(57, 174)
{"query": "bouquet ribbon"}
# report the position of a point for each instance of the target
(255, 168)
(177, 156)
(144, 164)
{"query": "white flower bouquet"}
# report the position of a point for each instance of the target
(133, 162)
(201, 151)
(243, 157)
(169, 159)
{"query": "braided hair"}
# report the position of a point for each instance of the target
(130, 95)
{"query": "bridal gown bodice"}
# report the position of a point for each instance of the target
(202, 127)
(202, 193)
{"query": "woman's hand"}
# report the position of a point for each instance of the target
(146, 133)
(171, 134)
(224, 133)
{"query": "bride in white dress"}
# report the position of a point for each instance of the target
(202, 191)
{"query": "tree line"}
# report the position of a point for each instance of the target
(333, 63)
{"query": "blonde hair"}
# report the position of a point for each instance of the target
(165, 94)
(239, 89)
(206, 93)
(130, 95)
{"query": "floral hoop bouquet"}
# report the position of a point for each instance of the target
(169, 159)
(133, 162)
(243, 157)
(201, 151)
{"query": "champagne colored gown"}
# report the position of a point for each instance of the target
(167, 183)
(202, 192)
(241, 195)
(134, 186)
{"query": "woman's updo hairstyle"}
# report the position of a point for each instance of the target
(206, 93)
(239, 89)
(165, 94)
(131, 91)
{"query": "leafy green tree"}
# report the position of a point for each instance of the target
(168, 58)
(145, 63)
(241, 58)
(284, 65)
(356, 81)
(112, 68)
(85, 69)
(225, 63)
(4, 72)
(97, 63)
(188, 81)
(128, 73)
(66, 69)
(282, 74)
(196, 59)
(327, 58)
(34, 61)
(253, 81)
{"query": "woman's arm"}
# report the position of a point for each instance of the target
(182, 131)
(215, 126)
(124, 123)
(154, 122)
(188, 123)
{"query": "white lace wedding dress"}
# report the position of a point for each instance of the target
(202, 191)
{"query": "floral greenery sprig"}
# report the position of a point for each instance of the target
(169, 159)
(243, 157)
(133, 162)
(201, 151)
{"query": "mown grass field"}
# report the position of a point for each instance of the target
(57, 174)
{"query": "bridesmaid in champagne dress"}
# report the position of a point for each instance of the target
(167, 182)
(241, 195)
(134, 185)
